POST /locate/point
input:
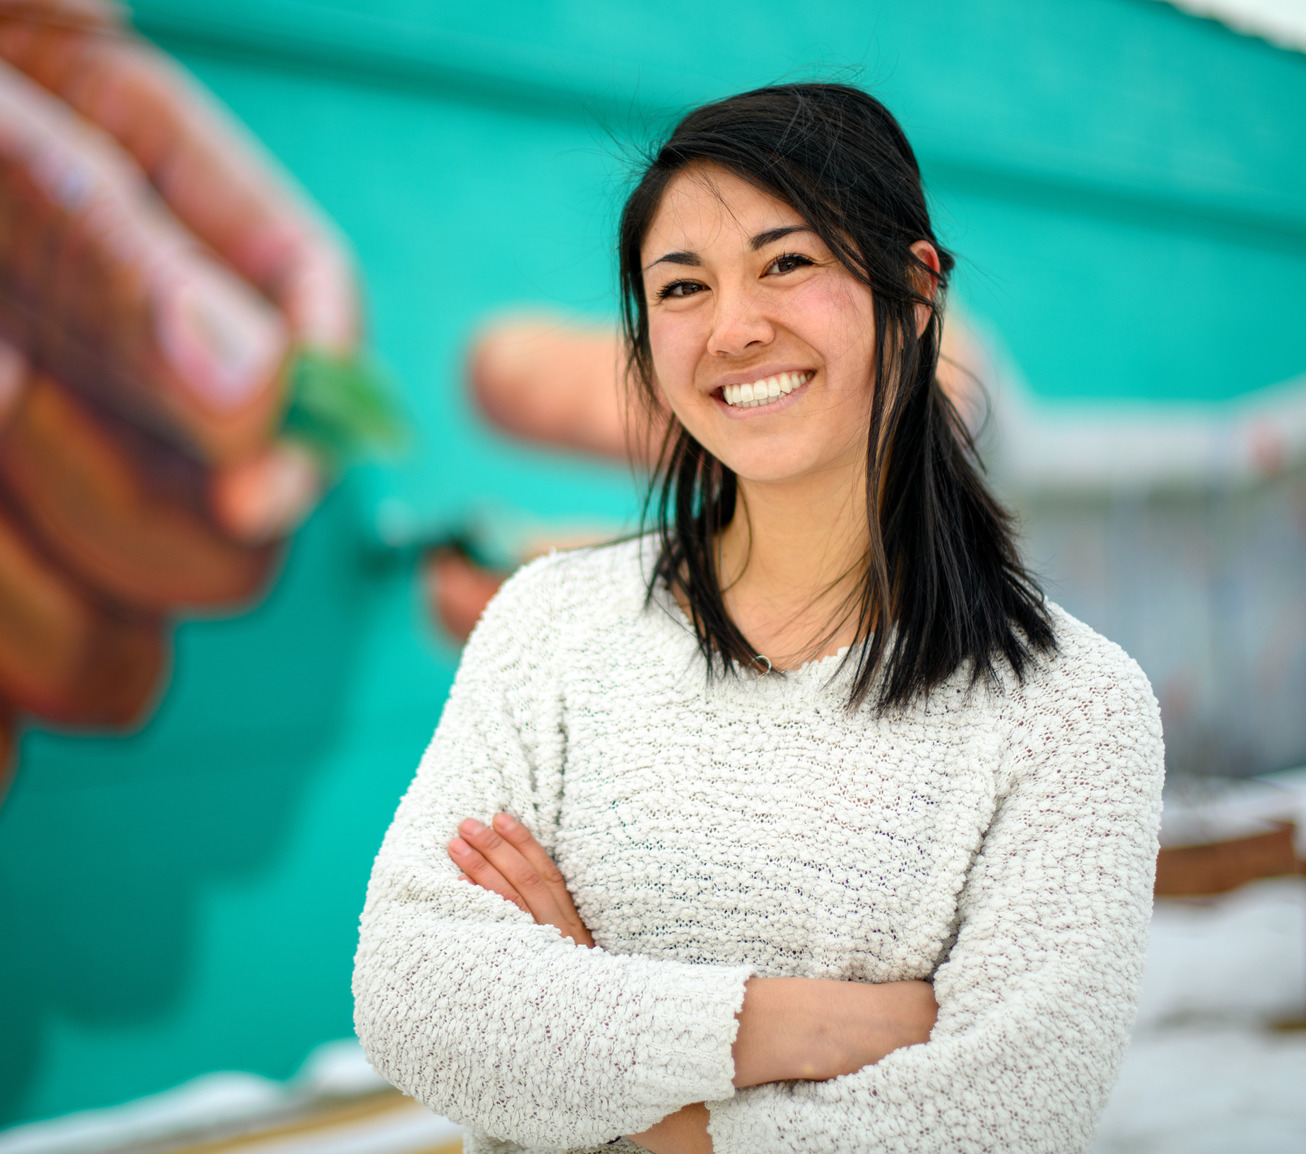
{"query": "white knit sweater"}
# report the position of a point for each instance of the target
(1001, 842)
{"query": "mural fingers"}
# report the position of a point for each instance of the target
(129, 523)
(558, 383)
(218, 182)
(66, 656)
(100, 285)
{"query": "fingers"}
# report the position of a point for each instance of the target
(509, 856)
(154, 343)
(521, 839)
(102, 287)
(267, 495)
(504, 861)
(216, 180)
(556, 383)
(124, 522)
(477, 869)
(457, 591)
(64, 656)
(542, 866)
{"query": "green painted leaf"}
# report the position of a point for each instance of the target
(343, 408)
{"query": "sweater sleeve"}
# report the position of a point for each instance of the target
(1038, 992)
(461, 1000)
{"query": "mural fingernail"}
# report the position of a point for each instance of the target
(224, 343)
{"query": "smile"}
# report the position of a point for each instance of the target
(763, 392)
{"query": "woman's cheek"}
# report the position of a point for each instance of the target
(839, 312)
(675, 359)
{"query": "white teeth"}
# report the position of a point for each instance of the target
(762, 392)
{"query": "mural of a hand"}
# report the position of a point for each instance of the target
(157, 273)
(550, 381)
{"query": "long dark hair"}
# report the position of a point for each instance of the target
(941, 558)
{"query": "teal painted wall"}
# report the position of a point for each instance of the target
(1123, 182)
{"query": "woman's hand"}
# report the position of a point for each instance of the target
(508, 861)
(684, 1132)
(505, 859)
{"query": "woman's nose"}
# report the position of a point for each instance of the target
(739, 324)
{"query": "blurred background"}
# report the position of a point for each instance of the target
(201, 780)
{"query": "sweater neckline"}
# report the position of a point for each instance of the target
(830, 667)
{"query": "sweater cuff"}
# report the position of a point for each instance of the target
(691, 1032)
(736, 1129)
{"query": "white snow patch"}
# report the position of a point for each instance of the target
(1206, 1073)
(230, 1103)
(210, 1101)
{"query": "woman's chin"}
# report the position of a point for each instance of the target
(776, 478)
(788, 465)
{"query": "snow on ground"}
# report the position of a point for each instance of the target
(1206, 1072)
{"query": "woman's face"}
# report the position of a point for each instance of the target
(762, 341)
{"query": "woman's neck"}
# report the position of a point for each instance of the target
(791, 563)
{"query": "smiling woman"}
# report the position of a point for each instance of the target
(813, 826)
(754, 321)
(764, 347)
(787, 230)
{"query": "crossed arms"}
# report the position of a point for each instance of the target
(790, 1029)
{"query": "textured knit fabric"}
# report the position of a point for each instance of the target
(999, 841)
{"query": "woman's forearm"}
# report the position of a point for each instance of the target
(811, 1029)
(805, 1029)
(790, 1029)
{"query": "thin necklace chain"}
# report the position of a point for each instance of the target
(727, 599)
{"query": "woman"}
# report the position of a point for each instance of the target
(810, 757)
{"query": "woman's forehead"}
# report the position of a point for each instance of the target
(705, 204)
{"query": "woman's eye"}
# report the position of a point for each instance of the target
(678, 288)
(789, 261)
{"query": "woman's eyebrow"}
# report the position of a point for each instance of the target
(690, 258)
(761, 240)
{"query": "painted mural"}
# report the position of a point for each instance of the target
(218, 657)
